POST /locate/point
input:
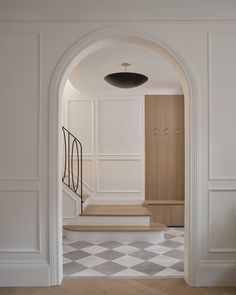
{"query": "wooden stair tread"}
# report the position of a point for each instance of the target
(116, 210)
(164, 202)
(86, 228)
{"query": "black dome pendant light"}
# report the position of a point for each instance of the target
(125, 79)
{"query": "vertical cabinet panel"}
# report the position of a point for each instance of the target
(160, 213)
(170, 215)
(177, 215)
(164, 146)
(164, 157)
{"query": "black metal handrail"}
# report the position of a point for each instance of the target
(72, 172)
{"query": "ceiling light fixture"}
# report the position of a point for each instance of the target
(125, 79)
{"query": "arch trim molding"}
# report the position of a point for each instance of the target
(80, 49)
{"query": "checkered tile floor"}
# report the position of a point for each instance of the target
(133, 259)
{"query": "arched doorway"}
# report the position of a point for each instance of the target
(73, 56)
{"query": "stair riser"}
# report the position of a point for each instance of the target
(153, 237)
(109, 220)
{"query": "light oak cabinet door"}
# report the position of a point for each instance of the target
(160, 214)
(170, 215)
(164, 147)
(177, 215)
(164, 158)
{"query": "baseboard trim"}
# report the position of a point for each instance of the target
(24, 274)
(217, 273)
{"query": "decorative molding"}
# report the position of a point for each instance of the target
(92, 120)
(208, 106)
(217, 263)
(141, 123)
(39, 108)
(88, 186)
(24, 250)
(216, 273)
(20, 185)
(16, 273)
(210, 249)
(135, 93)
(209, 46)
(84, 46)
(37, 249)
(99, 190)
(25, 263)
(38, 175)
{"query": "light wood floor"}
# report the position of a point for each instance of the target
(121, 287)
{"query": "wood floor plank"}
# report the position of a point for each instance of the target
(121, 287)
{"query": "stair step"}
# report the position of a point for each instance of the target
(116, 210)
(152, 227)
(153, 233)
(164, 202)
(108, 220)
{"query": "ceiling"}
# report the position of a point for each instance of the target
(88, 76)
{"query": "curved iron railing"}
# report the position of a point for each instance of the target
(72, 171)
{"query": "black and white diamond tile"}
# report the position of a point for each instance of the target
(133, 259)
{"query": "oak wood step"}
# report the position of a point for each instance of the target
(116, 210)
(84, 228)
(164, 202)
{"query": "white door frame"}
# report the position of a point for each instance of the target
(67, 63)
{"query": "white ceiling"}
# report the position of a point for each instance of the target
(117, 10)
(88, 76)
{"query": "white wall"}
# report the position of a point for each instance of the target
(111, 130)
(29, 53)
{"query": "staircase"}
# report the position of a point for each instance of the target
(99, 222)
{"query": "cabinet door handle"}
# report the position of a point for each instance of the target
(177, 131)
(155, 131)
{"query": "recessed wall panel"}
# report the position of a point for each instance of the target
(222, 73)
(19, 221)
(19, 106)
(87, 171)
(119, 127)
(222, 221)
(118, 176)
(80, 122)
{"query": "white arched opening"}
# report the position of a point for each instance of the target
(68, 62)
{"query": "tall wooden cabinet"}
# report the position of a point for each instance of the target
(164, 158)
